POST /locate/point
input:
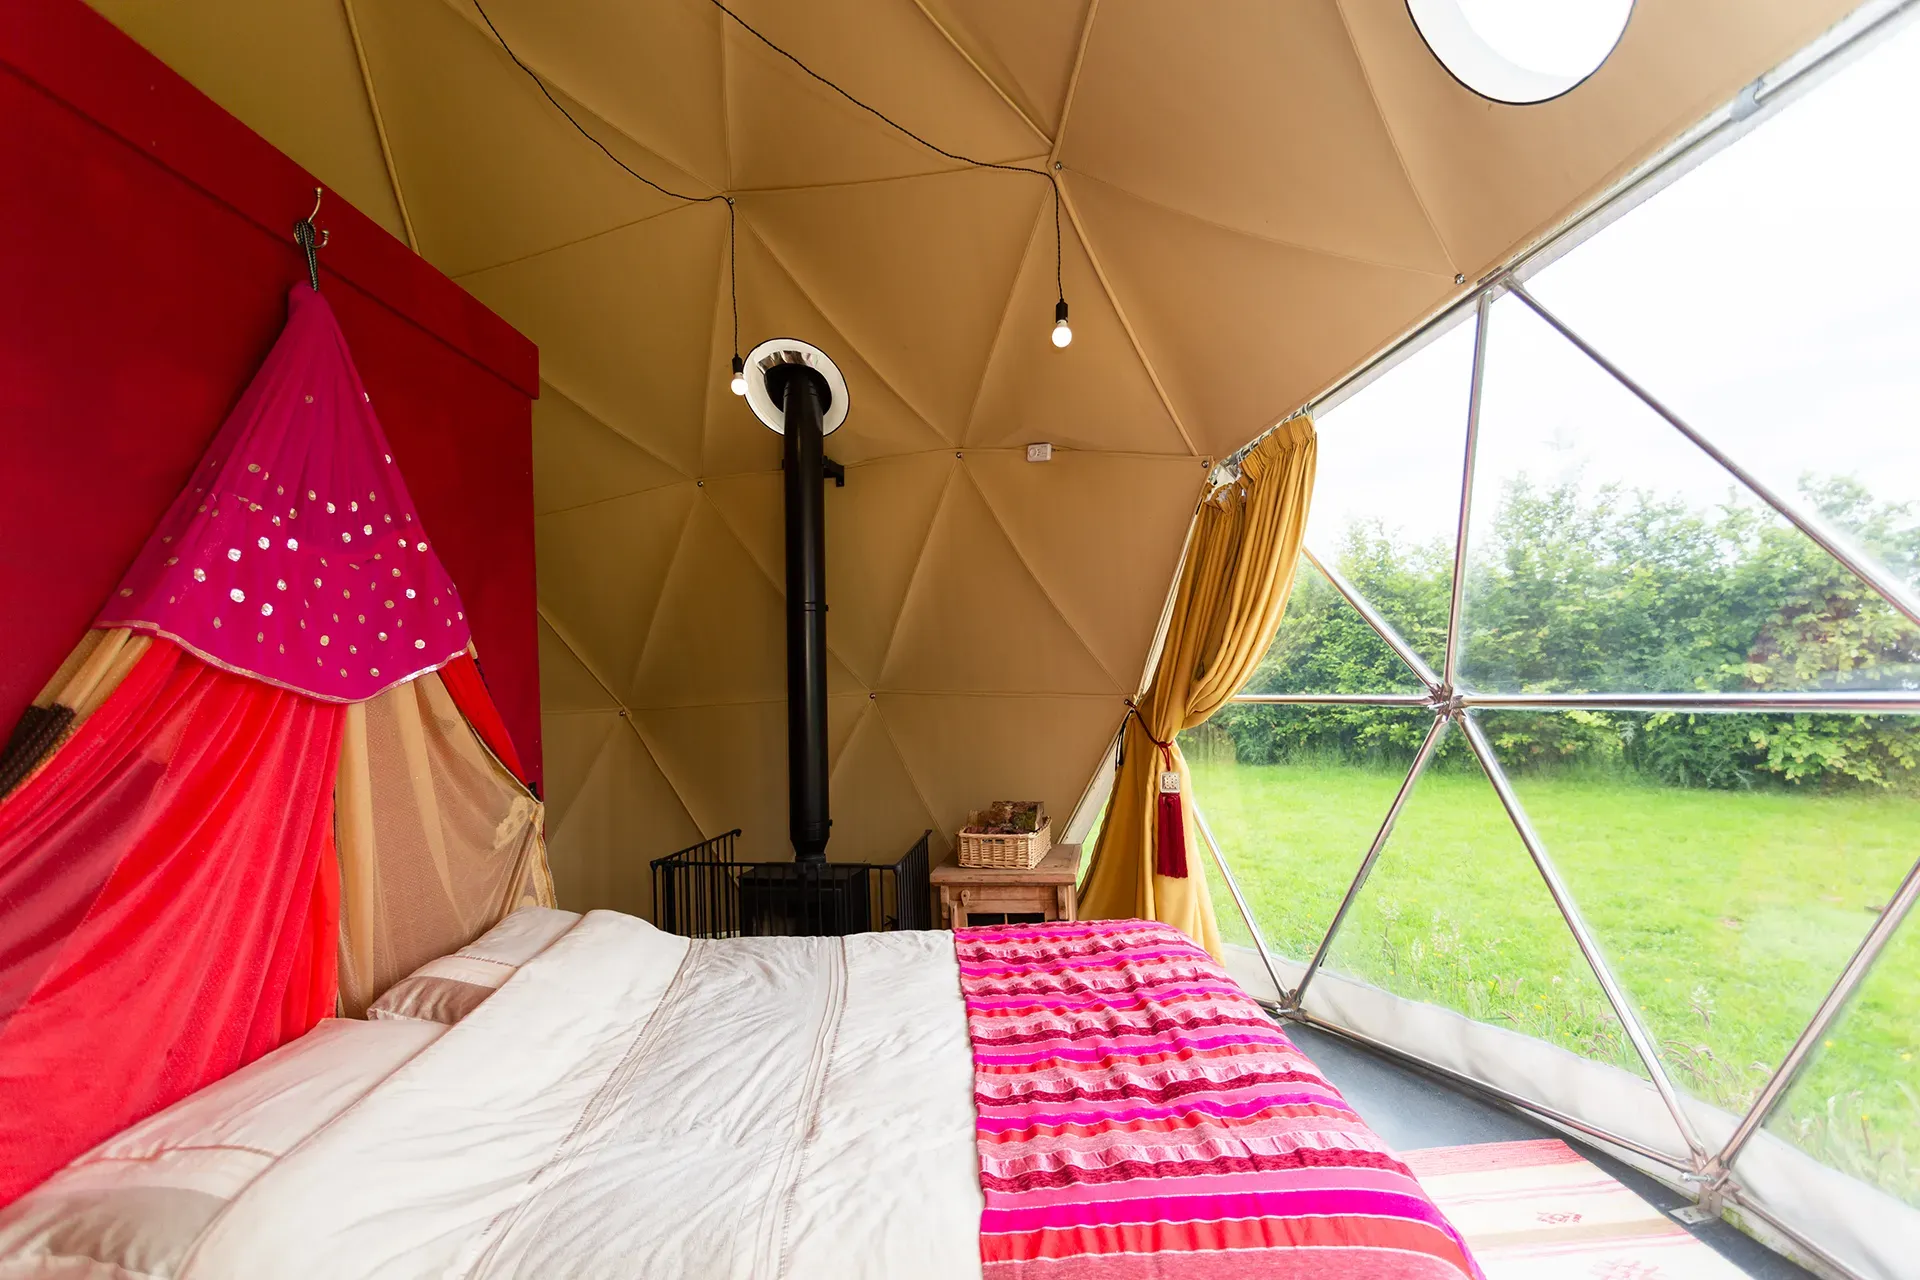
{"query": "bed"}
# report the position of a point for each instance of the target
(1073, 1102)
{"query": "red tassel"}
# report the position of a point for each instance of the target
(1170, 836)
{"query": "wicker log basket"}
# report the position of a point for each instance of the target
(988, 841)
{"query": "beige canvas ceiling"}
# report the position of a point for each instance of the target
(1258, 195)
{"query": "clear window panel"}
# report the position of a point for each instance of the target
(1325, 646)
(1856, 1105)
(1294, 796)
(1607, 553)
(1456, 914)
(1771, 298)
(1728, 865)
(1386, 496)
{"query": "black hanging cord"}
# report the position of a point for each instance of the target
(671, 194)
(734, 284)
(890, 122)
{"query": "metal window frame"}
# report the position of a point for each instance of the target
(1711, 1173)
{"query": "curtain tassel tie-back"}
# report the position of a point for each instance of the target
(1170, 836)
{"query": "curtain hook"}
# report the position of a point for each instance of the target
(311, 241)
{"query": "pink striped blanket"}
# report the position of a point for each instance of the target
(1141, 1117)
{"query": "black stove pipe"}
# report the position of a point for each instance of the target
(803, 396)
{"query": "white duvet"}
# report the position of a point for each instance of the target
(632, 1104)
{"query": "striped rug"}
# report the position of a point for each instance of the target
(1539, 1211)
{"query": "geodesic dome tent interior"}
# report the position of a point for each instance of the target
(1647, 606)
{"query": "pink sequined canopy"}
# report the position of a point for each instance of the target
(294, 554)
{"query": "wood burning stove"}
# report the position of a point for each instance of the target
(795, 389)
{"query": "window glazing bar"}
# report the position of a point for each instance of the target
(1382, 628)
(1904, 700)
(1428, 746)
(1239, 900)
(1894, 592)
(1789, 1069)
(1493, 1090)
(1582, 936)
(1336, 699)
(1456, 604)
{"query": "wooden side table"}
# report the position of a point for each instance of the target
(1046, 890)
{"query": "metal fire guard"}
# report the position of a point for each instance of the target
(704, 891)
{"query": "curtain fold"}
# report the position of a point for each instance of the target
(167, 910)
(1233, 588)
(438, 840)
(86, 679)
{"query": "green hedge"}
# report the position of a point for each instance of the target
(1615, 591)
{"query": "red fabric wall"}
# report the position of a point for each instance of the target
(145, 250)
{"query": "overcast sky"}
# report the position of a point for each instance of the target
(1771, 297)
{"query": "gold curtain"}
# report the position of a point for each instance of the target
(91, 672)
(437, 841)
(1234, 585)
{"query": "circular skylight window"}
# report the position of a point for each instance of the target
(1520, 51)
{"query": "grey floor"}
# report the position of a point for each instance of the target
(1411, 1110)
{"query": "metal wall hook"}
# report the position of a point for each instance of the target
(311, 241)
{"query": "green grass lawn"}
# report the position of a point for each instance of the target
(1727, 915)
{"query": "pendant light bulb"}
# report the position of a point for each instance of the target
(739, 383)
(1062, 331)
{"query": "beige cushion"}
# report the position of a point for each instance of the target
(448, 989)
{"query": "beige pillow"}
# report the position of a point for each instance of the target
(448, 989)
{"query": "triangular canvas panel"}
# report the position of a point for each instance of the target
(578, 459)
(1025, 50)
(624, 322)
(1208, 303)
(571, 741)
(789, 130)
(742, 659)
(878, 814)
(1094, 393)
(1129, 514)
(1152, 72)
(909, 266)
(566, 683)
(965, 751)
(975, 619)
(624, 816)
(652, 74)
(879, 423)
(606, 618)
(492, 172)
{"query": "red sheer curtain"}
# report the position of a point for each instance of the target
(463, 680)
(169, 904)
